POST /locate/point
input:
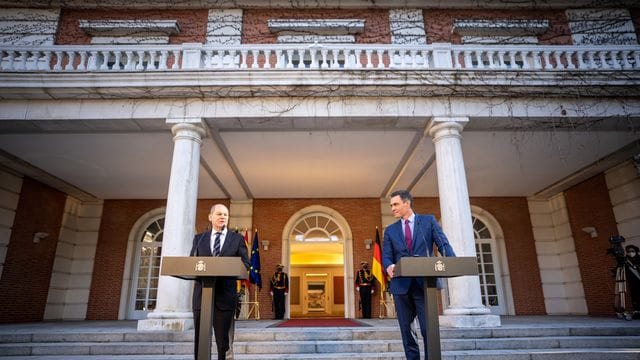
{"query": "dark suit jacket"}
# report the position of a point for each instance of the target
(426, 232)
(226, 291)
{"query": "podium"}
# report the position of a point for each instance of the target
(207, 269)
(431, 268)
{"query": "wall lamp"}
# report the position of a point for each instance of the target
(591, 231)
(265, 245)
(39, 236)
(367, 243)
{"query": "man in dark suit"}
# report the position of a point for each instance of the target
(219, 242)
(411, 235)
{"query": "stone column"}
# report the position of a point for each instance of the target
(173, 305)
(465, 308)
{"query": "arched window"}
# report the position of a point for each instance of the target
(487, 266)
(317, 228)
(150, 250)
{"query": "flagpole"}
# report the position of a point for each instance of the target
(256, 303)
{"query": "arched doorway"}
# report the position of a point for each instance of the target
(142, 266)
(317, 249)
(491, 255)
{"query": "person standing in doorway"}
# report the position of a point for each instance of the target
(279, 288)
(365, 287)
(411, 235)
(219, 242)
(632, 267)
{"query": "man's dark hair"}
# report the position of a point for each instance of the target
(404, 196)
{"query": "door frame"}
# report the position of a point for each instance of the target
(127, 292)
(347, 249)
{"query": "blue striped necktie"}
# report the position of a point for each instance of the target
(216, 245)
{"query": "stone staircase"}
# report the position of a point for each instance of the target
(379, 341)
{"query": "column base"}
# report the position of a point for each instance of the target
(167, 322)
(469, 321)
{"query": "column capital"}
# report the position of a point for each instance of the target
(441, 126)
(191, 128)
(172, 120)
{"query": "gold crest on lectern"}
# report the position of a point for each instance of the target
(201, 266)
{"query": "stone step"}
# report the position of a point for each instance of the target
(293, 334)
(314, 346)
(541, 354)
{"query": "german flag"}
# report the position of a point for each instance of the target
(376, 268)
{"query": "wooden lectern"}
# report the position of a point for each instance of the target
(207, 269)
(432, 268)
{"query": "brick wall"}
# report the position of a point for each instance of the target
(513, 215)
(439, 23)
(192, 23)
(118, 218)
(27, 269)
(256, 31)
(588, 204)
(271, 215)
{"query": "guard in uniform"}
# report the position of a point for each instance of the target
(365, 286)
(279, 288)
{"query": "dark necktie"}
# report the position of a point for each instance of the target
(216, 245)
(407, 235)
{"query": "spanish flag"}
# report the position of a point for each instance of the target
(376, 268)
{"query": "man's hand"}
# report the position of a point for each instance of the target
(390, 269)
(357, 288)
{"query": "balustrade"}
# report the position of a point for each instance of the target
(137, 58)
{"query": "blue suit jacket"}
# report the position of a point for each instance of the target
(426, 232)
(226, 293)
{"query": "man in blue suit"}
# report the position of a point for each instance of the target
(411, 235)
(219, 242)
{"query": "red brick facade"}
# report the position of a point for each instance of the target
(28, 266)
(192, 23)
(526, 285)
(439, 23)
(255, 30)
(588, 204)
(118, 218)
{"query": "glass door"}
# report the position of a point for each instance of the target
(316, 299)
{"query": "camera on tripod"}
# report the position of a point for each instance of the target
(616, 250)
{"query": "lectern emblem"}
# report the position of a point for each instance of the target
(439, 265)
(201, 266)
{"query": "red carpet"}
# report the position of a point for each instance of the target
(337, 322)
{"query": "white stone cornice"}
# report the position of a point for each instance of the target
(316, 26)
(129, 27)
(223, 84)
(512, 27)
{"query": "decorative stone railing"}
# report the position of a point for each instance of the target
(89, 58)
